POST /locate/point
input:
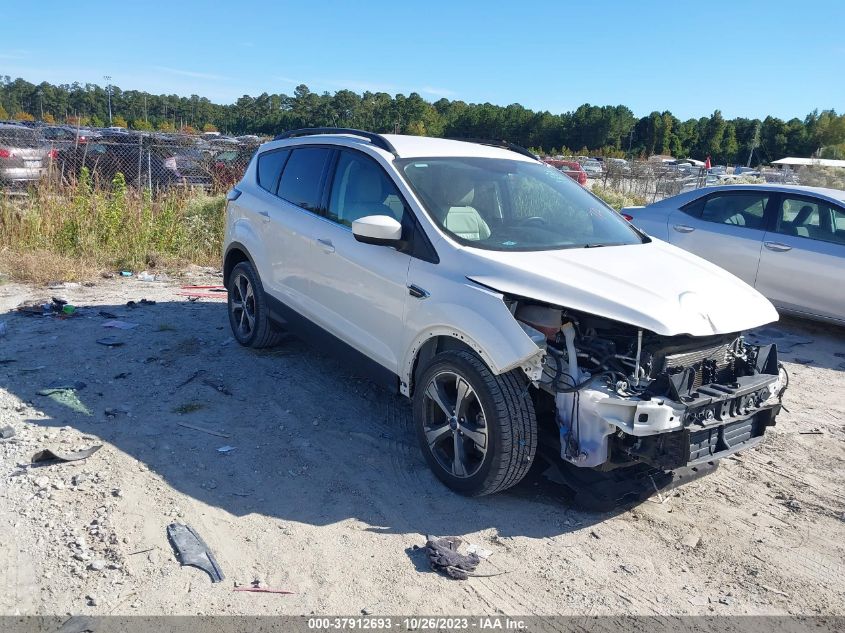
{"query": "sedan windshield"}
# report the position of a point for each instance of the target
(513, 205)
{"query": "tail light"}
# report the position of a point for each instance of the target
(53, 154)
(4, 153)
(630, 218)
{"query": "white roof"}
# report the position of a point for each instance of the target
(426, 146)
(821, 162)
(411, 146)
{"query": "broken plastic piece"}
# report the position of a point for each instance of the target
(191, 550)
(120, 325)
(49, 454)
(110, 341)
(65, 394)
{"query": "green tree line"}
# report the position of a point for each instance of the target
(609, 130)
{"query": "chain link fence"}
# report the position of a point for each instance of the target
(59, 156)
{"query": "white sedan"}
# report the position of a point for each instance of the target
(787, 241)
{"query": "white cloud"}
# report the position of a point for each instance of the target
(437, 92)
(190, 73)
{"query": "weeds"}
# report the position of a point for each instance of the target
(68, 232)
(616, 199)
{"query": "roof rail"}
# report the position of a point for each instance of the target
(499, 143)
(376, 139)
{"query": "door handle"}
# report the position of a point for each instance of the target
(777, 247)
(683, 228)
(326, 244)
(265, 215)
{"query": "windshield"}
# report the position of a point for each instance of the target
(513, 205)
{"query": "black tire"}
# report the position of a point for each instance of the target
(249, 314)
(507, 413)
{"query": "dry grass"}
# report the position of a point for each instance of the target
(75, 232)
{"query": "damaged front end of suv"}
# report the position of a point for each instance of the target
(614, 395)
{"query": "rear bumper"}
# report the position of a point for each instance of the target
(22, 174)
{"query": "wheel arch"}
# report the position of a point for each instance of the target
(235, 254)
(432, 346)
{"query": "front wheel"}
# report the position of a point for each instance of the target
(478, 431)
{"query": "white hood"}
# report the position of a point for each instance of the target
(654, 286)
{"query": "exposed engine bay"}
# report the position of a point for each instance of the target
(620, 395)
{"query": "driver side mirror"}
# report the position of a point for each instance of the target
(379, 230)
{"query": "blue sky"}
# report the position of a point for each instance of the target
(745, 58)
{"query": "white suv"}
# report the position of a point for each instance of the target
(513, 307)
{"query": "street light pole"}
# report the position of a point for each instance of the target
(108, 91)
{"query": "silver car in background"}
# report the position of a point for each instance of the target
(24, 157)
(787, 241)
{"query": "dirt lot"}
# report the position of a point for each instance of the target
(325, 492)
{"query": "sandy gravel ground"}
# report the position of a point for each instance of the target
(325, 493)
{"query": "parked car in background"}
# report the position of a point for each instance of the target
(58, 136)
(190, 166)
(617, 165)
(571, 168)
(107, 156)
(592, 167)
(24, 158)
(787, 241)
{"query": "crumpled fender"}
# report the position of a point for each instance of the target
(496, 336)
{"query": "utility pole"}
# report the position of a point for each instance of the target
(754, 143)
(108, 89)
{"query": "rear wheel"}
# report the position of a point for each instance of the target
(478, 431)
(249, 315)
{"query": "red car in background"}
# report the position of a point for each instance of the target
(571, 168)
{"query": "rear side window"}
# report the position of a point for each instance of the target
(269, 167)
(18, 137)
(736, 208)
(301, 182)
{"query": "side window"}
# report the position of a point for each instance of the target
(361, 188)
(813, 219)
(269, 167)
(739, 209)
(301, 182)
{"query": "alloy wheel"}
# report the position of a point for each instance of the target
(455, 426)
(242, 306)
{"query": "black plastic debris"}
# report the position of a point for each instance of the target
(191, 550)
(142, 302)
(110, 341)
(49, 454)
(444, 557)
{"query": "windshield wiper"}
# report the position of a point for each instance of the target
(594, 245)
